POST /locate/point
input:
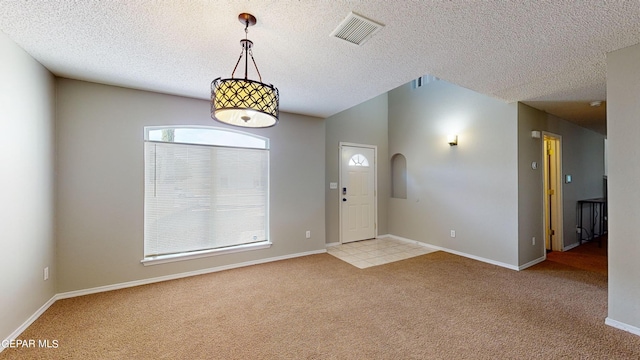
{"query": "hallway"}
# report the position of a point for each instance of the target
(588, 256)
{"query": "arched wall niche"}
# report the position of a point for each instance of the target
(398, 176)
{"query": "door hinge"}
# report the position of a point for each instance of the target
(551, 192)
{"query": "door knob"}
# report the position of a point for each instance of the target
(344, 199)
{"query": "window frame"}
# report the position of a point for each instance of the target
(196, 254)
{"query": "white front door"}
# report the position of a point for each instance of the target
(357, 193)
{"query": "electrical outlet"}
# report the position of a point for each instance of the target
(46, 273)
(533, 240)
(579, 230)
(308, 234)
(453, 233)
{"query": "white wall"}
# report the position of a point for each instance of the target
(365, 123)
(470, 188)
(27, 94)
(100, 183)
(623, 127)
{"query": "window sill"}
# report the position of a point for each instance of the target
(162, 259)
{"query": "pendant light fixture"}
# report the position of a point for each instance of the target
(240, 101)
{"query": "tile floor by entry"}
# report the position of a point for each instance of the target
(367, 253)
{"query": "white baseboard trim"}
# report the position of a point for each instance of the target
(129, 284)
(569, 247)
(414, 242)
(531, 263)
(332, 244)
(14, 335)
(622, 326)
(459, 253)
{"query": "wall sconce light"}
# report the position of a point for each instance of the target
(535, 134)
(452, 140)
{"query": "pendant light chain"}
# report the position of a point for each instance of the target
(246, 50)
(256, 65)
(238, 62)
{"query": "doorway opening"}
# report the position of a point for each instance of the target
(552, 188)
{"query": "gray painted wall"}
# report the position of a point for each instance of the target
(27, 113)
(530, 185)
(470, 188)
(100, 183)
(582, 158)
(362, 124)
(623, 127)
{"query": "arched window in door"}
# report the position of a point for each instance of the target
(359, 160)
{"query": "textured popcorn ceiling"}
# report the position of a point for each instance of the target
(546, 52)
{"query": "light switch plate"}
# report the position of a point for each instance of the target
(333, 185)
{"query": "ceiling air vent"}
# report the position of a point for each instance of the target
(356, 29)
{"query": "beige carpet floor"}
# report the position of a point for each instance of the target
(434, 306)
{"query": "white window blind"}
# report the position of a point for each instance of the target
(201, 197)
